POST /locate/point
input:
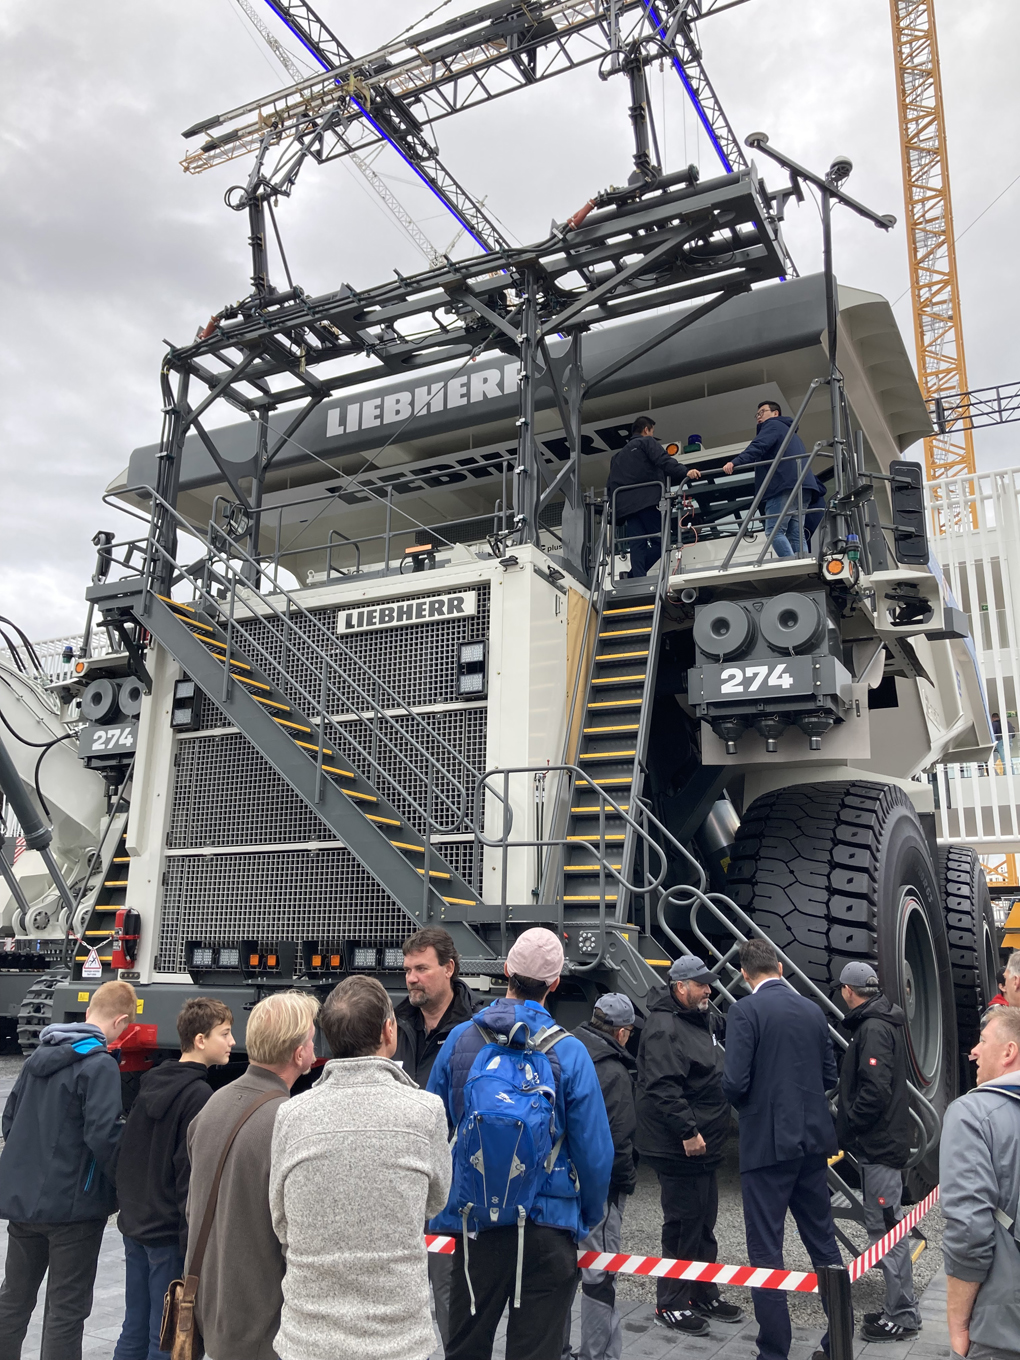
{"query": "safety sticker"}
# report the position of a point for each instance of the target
(92, 968)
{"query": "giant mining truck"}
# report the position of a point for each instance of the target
(391, 690)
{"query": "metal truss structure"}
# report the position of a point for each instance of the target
(962, 411)
(931, 244)
(672, 243)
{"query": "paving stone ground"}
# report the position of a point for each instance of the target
(643, 1340)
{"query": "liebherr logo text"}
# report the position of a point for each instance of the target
(403, 612)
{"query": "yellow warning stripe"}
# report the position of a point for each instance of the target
(620, 679)
(627, 632)
(403, 845)
(385, 821)
(271, 703)
(630, 609)
(434, 873)
(286, 722)
(257, 684)
(311, 746)
(587, 868)
(360, 797)
(619, 656)
(620, 727)
(607, 755)
(176, 604)
(596, 840)
(595, 808)
(596, 898)
(115, 883)
(616, 703)
(460, 901)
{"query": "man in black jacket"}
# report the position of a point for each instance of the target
(639, 474)
(437, 1001)
(683, 1122)
(605, 1037)
(62, 1125)
(874, 1124)
(153, 1171)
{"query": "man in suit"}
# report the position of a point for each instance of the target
(779, 1064)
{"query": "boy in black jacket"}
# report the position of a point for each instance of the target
(153, 1171)
(874, 1124)
(62, 1124)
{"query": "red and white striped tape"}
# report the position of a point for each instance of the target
(751, 1277)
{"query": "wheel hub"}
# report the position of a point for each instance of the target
(919, 987)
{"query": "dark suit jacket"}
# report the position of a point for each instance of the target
(779, 1064)
(641, 461)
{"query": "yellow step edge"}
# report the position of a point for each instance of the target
(121, 859)
(616, 779)
(115, 883)
(258, 684)
(105, 933)
(194, 623)
(608, 755)
(103, 958)
(359, 797)
(403, 845)
(245, 667)
(629, 609)
(620, 727)
(617, 703)
(347, 774)
(211, 642)
(271, 703)
(619, 656)
(610, 811)
(587, 868)
(595, 840)
(660, 963)
(386, 821)
(286, 722)
(434, 873)
(620, 679)
(311, 746)
(627, 632)
(460, 901)
(596, 898)
(176, 603)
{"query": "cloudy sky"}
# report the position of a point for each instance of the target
(108, 248)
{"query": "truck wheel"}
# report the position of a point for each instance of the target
(839, 871)
(970, 926)
(36, 1009)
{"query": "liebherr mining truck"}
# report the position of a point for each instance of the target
(396, 672)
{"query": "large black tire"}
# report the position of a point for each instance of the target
(839, 871)
(970, 926)
(36, 1009)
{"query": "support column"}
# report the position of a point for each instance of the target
(527, 478)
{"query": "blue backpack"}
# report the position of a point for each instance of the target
(503, 1147)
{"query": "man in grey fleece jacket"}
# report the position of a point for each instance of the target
(980, 1173)
(359, 1163)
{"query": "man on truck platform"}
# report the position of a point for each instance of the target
(760, 453)
(639, 474)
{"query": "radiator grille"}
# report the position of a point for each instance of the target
(287, 895)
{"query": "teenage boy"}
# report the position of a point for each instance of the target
(153, 1171)
(62, 1125)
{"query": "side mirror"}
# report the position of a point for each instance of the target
(910, 530)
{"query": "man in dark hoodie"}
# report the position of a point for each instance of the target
(638, 475)
(62, 1125)
(874, 1124)
(772, 430)
(683, 1121)
(153, 1171)
(605, 1036)
(437, 1001)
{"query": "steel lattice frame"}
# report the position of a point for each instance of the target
(931, 245)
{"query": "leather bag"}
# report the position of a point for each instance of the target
(178, 1333)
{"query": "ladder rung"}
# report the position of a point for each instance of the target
(175, 604)
(608, 755)
(385, 821)
(286, 722)
(586, 898)
(620, 679)
(626, 632)
(257, 684)
(625, 727)
(434, 873)
(619, 656)
(617, 703)
(311, 746)
(629, 609)
(271, 703)
(460, 901)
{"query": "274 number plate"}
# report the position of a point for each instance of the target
(102, 739)
(757, 679)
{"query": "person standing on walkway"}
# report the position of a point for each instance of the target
(779, 1065)
(240, 1290)
(62, 1126)
(153, 1171)
(552, 1163)
(437, 1001)
(359, 1163)
(683, 1122)
(772, 430)
(1011, 980)
(605, 1037)
(979, 1162)
(873, 1123)
(639, 474)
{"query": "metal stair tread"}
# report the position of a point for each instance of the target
(619, 656)
(618, 727)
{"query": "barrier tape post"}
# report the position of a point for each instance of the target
(834, 1287)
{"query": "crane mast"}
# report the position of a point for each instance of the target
(931, 244)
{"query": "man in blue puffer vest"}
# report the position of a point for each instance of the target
(772, 430)
(570, 1198)
(62, 1125)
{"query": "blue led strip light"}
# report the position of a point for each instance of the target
(660, 27)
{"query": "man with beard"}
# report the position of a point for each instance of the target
(683, 1121)
(437, 1000)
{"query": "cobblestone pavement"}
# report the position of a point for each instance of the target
(643, 1340)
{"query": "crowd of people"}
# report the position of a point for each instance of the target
(294, 1227)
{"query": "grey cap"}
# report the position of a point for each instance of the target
(617, 1008)
(859, 974)
(689, 968)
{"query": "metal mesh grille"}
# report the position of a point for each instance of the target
(289, 895)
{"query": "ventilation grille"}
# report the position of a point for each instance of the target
(287, 895)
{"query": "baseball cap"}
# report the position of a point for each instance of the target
(859, 974)
(536, 953)
(689, 968)
(617, 1009)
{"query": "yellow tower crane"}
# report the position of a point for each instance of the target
(931, 244)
